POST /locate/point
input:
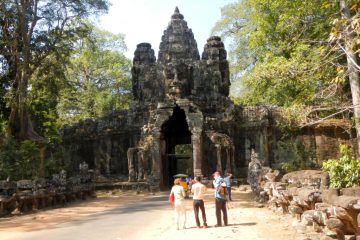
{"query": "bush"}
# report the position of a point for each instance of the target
(28, 164)
(345, 171)
(18, 160)
(21, 160)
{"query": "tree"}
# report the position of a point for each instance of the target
(277, 50)
(31, 31)
(98, 78)
(280, 55)
(348, 45)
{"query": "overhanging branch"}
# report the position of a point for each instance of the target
(327, 117)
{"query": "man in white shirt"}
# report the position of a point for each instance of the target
(198, 190)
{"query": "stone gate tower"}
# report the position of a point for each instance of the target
(186, 101)
(180, 99)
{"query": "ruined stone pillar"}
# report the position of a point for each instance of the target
(232, 159)
(156, 157)
(131, 164)
(218, 157)
(141, 163)
(266, 148)
(42, 159)
(108, 155)
(196, 141)
(228, 159)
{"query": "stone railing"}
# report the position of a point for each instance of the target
(305, 195)
(28, 195)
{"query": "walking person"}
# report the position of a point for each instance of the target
(198, 190)
(179, 203)
(220, 199)
(227, 180)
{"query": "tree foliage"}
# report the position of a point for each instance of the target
(287, 81)
(345, 171)
(278, 50)
(345, 37)
(98, 79)
(45, 49)
(31, 32)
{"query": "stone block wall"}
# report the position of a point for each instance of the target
(181, 98)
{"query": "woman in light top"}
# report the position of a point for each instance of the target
(179, 202)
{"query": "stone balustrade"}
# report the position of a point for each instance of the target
(28, 195)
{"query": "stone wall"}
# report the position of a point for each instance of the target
(181, 98)
(102, 143)
(324, 138)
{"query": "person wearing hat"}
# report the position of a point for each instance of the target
(220, 200)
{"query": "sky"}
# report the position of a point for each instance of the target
(145, 20)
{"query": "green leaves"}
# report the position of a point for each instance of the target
(98, 78)
(286, 81)
(276, 52)
(19, 160)
(345, 171)
(37, 45)
(32, 34)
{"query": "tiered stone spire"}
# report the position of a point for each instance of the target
(214, 49)
(178, 41)
(215, 56)
(144, 54)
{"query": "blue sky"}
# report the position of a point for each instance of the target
(145, 20)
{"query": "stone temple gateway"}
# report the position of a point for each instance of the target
(179, 99)
(186, 97)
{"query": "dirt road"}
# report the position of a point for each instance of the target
(130, 216)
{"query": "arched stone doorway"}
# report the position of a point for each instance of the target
(178, 151)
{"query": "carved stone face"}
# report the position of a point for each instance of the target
(177, 80)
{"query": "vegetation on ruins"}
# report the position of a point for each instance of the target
(345, 171)
(46, 78)
(301, 55)
(56, 67)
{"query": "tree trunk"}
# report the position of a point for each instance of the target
(20, 125)
(352, 71)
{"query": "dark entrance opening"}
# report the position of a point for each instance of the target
(176, 132)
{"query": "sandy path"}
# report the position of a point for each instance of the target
(246, 220)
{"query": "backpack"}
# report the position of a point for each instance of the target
(221, 190)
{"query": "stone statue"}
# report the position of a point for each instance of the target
(254, 171)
